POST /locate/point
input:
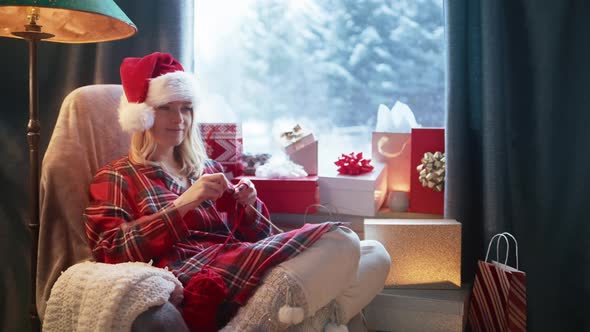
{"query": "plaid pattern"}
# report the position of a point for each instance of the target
(123, 194)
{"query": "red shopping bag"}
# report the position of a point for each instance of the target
(498, 302)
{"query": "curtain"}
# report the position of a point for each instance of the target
(162, 26)
(518, 117)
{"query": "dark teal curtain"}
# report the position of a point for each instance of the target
(518, 125)
(166, 26)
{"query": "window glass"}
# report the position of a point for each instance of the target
(323, 64)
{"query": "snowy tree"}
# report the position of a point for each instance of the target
(335, 60)
(389, 50)
(279, 74)
(342, 58)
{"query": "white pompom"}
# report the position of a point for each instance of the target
(291, 315)
(331, 327)
(135, 117)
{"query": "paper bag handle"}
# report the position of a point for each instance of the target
(515, 245)
(503, 235)
(316, 205)
(497, 246)
(383, 140)
(331, 213)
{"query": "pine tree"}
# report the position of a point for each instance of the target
(342, 58)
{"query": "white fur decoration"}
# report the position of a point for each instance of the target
(332, 327)
(135, 117)
(291, 315)
(278, 167)
(176, 86)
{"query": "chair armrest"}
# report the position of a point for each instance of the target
(161, 318)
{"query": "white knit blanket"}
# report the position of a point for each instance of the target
(93, 296)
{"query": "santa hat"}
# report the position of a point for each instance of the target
(151, 81)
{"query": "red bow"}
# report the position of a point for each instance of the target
(351, 164)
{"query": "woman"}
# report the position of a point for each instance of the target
(168, 203)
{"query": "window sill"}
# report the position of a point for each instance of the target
(288, 221)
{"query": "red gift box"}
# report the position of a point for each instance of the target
(292, 195)
(223, 143)
(424, 199)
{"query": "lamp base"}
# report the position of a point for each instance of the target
(35, 322)
(33, 134)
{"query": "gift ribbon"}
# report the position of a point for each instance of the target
(432, 171)
(353, 164)
(293, 135)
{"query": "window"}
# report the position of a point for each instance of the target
(323, 64)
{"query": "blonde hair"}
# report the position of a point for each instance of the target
(190, 153)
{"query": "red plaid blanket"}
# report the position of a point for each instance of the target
(123, 192)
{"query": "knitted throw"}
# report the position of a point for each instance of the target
(261, 313)
(93, 296)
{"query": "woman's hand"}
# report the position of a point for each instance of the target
(207, 187)
(245, 192)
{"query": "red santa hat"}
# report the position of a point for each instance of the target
(151, 81)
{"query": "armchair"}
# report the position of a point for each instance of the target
(87, 136)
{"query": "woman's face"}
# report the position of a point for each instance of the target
(172, 123)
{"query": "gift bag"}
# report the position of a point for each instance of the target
(427, 170)
(394, 149)
(498, 302)
(392, 144)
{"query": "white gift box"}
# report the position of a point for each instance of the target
(424, 253)
(358, 195)
(409, 310)
(306, 156)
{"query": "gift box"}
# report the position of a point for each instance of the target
(393, 149)
(297, 143)
(424, 253)
(420, 310)
(223, 143)
(306, 156)
(292, 195)
(359, 195)
(424, 199)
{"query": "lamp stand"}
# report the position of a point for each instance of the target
(33, 35)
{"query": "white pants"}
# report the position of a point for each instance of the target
(340, 266)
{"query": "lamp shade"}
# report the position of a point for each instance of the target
(70, 21)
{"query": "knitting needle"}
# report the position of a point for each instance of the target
(265, 219)
(235, 189)
(176, 207)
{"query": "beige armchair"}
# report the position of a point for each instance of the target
(87, 135)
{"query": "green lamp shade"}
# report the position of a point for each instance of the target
(71, 21)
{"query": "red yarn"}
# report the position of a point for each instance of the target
(202, 297)
(206, 291)
(353, 164)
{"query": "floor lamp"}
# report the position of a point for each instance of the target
(63, 21)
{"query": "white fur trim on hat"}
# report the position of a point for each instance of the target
(135, 117)
(176, 86)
